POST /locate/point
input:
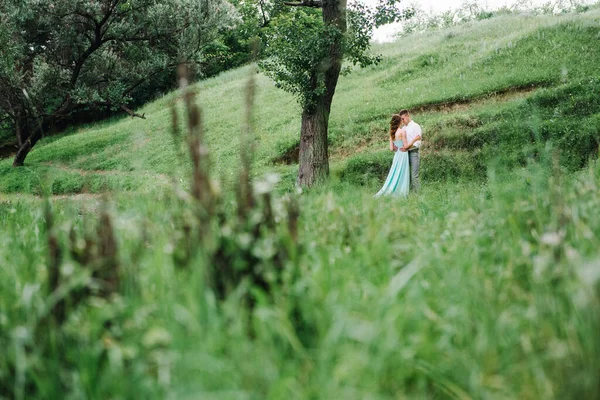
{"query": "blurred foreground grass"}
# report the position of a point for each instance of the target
(463, 291)
(486, 284)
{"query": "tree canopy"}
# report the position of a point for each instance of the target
(63, 57)
(298, 44)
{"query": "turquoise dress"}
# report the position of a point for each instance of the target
(398, 179)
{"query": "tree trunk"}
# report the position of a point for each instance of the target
(26, 148)
(19, 132)
(314, 156)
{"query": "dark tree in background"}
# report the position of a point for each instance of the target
(304, 54)
(63, 57)
(234, 46)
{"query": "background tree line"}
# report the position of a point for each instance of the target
(470, 10)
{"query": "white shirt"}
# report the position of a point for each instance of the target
(412, 130)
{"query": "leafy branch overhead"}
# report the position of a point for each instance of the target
(298, 43)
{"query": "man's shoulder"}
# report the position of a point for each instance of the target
(412, 125)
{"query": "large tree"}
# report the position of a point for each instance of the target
(305, 50)
(65, 57)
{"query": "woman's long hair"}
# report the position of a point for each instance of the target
(394, 125)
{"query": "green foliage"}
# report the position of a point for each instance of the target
(71, 183)
(27, 181)
(437, 166)
(236, 45)
(566, 117)
(444, 166)
(459, 147)
(79, 57)
(7, 43)
(298, 49)
(59, 180)
(490, 115)
(293, 61)
(387, 11)
(438, 291)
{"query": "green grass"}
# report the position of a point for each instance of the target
(483, 285)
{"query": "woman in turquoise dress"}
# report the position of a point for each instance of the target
(398, 179)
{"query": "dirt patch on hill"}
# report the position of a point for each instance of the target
(162, 178)
(361, 146)
(288, 157)
(498, 96)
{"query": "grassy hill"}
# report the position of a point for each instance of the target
(486, 284)
(473, 88)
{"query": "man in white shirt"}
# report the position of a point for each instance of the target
(413, 137)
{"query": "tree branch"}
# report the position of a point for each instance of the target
(108, 13)
(266, 21)
(127, 39)
(83, 58)
(305, 3)
(130, 112)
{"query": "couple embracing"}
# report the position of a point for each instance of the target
(405, 140)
